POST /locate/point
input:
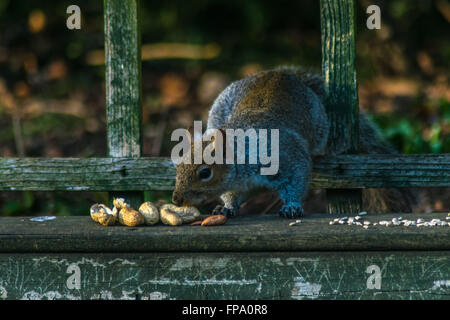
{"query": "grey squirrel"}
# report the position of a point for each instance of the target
(291, 100)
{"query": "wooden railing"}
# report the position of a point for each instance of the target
(161, 262)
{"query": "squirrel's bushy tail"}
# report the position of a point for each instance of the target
(382, 200)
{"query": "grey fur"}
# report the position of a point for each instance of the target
(288, 99)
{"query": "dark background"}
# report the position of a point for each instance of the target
(52, 78)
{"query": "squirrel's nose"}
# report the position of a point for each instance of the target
(177, 199)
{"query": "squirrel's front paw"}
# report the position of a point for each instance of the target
(291, 211)
(225, 211)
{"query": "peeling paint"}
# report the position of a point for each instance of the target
(50, 295)
(181, 264)
(188, 263)
(186, 282)
(3, 293)
(441, 284)
(91, 262)
(156, 295)
(303, 289)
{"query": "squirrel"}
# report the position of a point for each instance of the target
(289, 99)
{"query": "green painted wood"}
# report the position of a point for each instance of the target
(237, 275)
(128, 174)
(339, 72)
(243, 233)
(123, 83)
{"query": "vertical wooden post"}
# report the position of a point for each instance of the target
(123, 83)
(339, 72)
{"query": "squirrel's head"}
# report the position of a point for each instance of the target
(197, 184)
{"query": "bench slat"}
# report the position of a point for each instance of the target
(229, 276)
(242, 233)
(127, 174)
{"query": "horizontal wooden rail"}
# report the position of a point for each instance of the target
(417, 275)
(252, 232)
(138, 174)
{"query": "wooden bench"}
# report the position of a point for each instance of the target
(251, 257)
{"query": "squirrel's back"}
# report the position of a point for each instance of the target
(284, 98)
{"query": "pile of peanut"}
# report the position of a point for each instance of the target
(150, 214)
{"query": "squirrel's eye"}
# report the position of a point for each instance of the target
(205, 174)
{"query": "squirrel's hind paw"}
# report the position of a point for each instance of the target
(291, 211)
(227, 212)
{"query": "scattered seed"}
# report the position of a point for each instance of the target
(397, 221)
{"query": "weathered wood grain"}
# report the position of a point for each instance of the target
(339, 72)
(374, 171)
(244, 233)
(123, 83)
(128, 174)
(236, 275)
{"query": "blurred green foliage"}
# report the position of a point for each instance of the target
(415, 136)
